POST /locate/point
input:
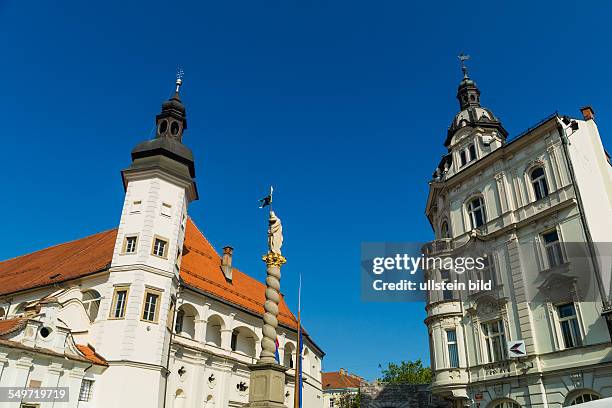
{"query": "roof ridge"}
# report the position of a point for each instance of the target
(58, 244)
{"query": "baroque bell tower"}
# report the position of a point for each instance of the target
(138, 300)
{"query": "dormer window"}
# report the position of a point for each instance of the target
(476, 212)
(538, 181)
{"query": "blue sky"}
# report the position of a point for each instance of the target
(342, 105)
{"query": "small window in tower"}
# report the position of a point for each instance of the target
(463, 157)
(174, 128)
(136, 206)
(472, 150)
(150, 306)
(163, 126)
(166, 210)
(129, 245)
(160, 247)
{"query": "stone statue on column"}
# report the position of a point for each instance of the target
(267, 385)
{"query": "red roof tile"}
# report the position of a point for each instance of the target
(90, 353)
(340, 380)
(12, 325)
(200, 268)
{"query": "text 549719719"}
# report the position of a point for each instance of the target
(42, 394)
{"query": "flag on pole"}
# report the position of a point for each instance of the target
(267, 200)
(276, 356)
(297, 397)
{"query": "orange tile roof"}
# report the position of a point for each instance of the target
(200, 269)
(12, 325)
(340, 380)
(58, 263)
(90, 353)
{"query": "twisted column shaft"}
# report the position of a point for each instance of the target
(268, 343)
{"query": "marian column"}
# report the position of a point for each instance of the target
(267, 385)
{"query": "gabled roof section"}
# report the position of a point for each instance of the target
(201, 269)
(337, 380)
(58, 263)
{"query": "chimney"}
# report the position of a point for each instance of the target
(226, 262)
(342, 371)
(587, 112)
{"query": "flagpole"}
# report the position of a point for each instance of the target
(297, 394)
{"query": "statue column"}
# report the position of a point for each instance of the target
(267, 384)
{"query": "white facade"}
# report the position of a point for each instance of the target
(517, 202)
(166, 344)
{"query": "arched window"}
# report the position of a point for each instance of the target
(289, 356)
(185, 321)
(444, 231)
(476, 212)
(538, 181)
(243, 341)
(213, 330)
(91, 303)
(463, 157)
(472, 150)
(2, 312)
(20, 309)
(178, 325)
(504, 404)
(584, 396)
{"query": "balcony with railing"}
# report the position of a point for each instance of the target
(438, 246)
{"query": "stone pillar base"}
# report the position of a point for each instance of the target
(267, 386)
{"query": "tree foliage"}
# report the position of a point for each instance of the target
(348, 401)
(407, 372)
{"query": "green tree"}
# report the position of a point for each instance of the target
(407, 372)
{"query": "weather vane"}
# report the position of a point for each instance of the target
(179, 78)
(462, 57)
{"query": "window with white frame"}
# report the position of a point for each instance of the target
(150, 306)
(568, 322)
(160, 247)
(538, 181)
(447, 294)
(119, 302)
(495, 340)
(453, 351)
(476, 212)
(552, 246)
(129, 244)
(86, 390)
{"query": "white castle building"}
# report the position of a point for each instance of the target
(521, 202)
(147, 314)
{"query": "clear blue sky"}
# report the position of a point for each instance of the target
(342, 105)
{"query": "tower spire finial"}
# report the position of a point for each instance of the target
(179, 79)
(463, 57)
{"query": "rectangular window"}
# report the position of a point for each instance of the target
(119, 302)
(160, 247)
(445, 277)
(151, 306)
(234, 341)
(166, 210)
(495, 340)
(569, 325)
(552, 245)
(129, 245)
(86, 390)
(453, 352)
(136, 206)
